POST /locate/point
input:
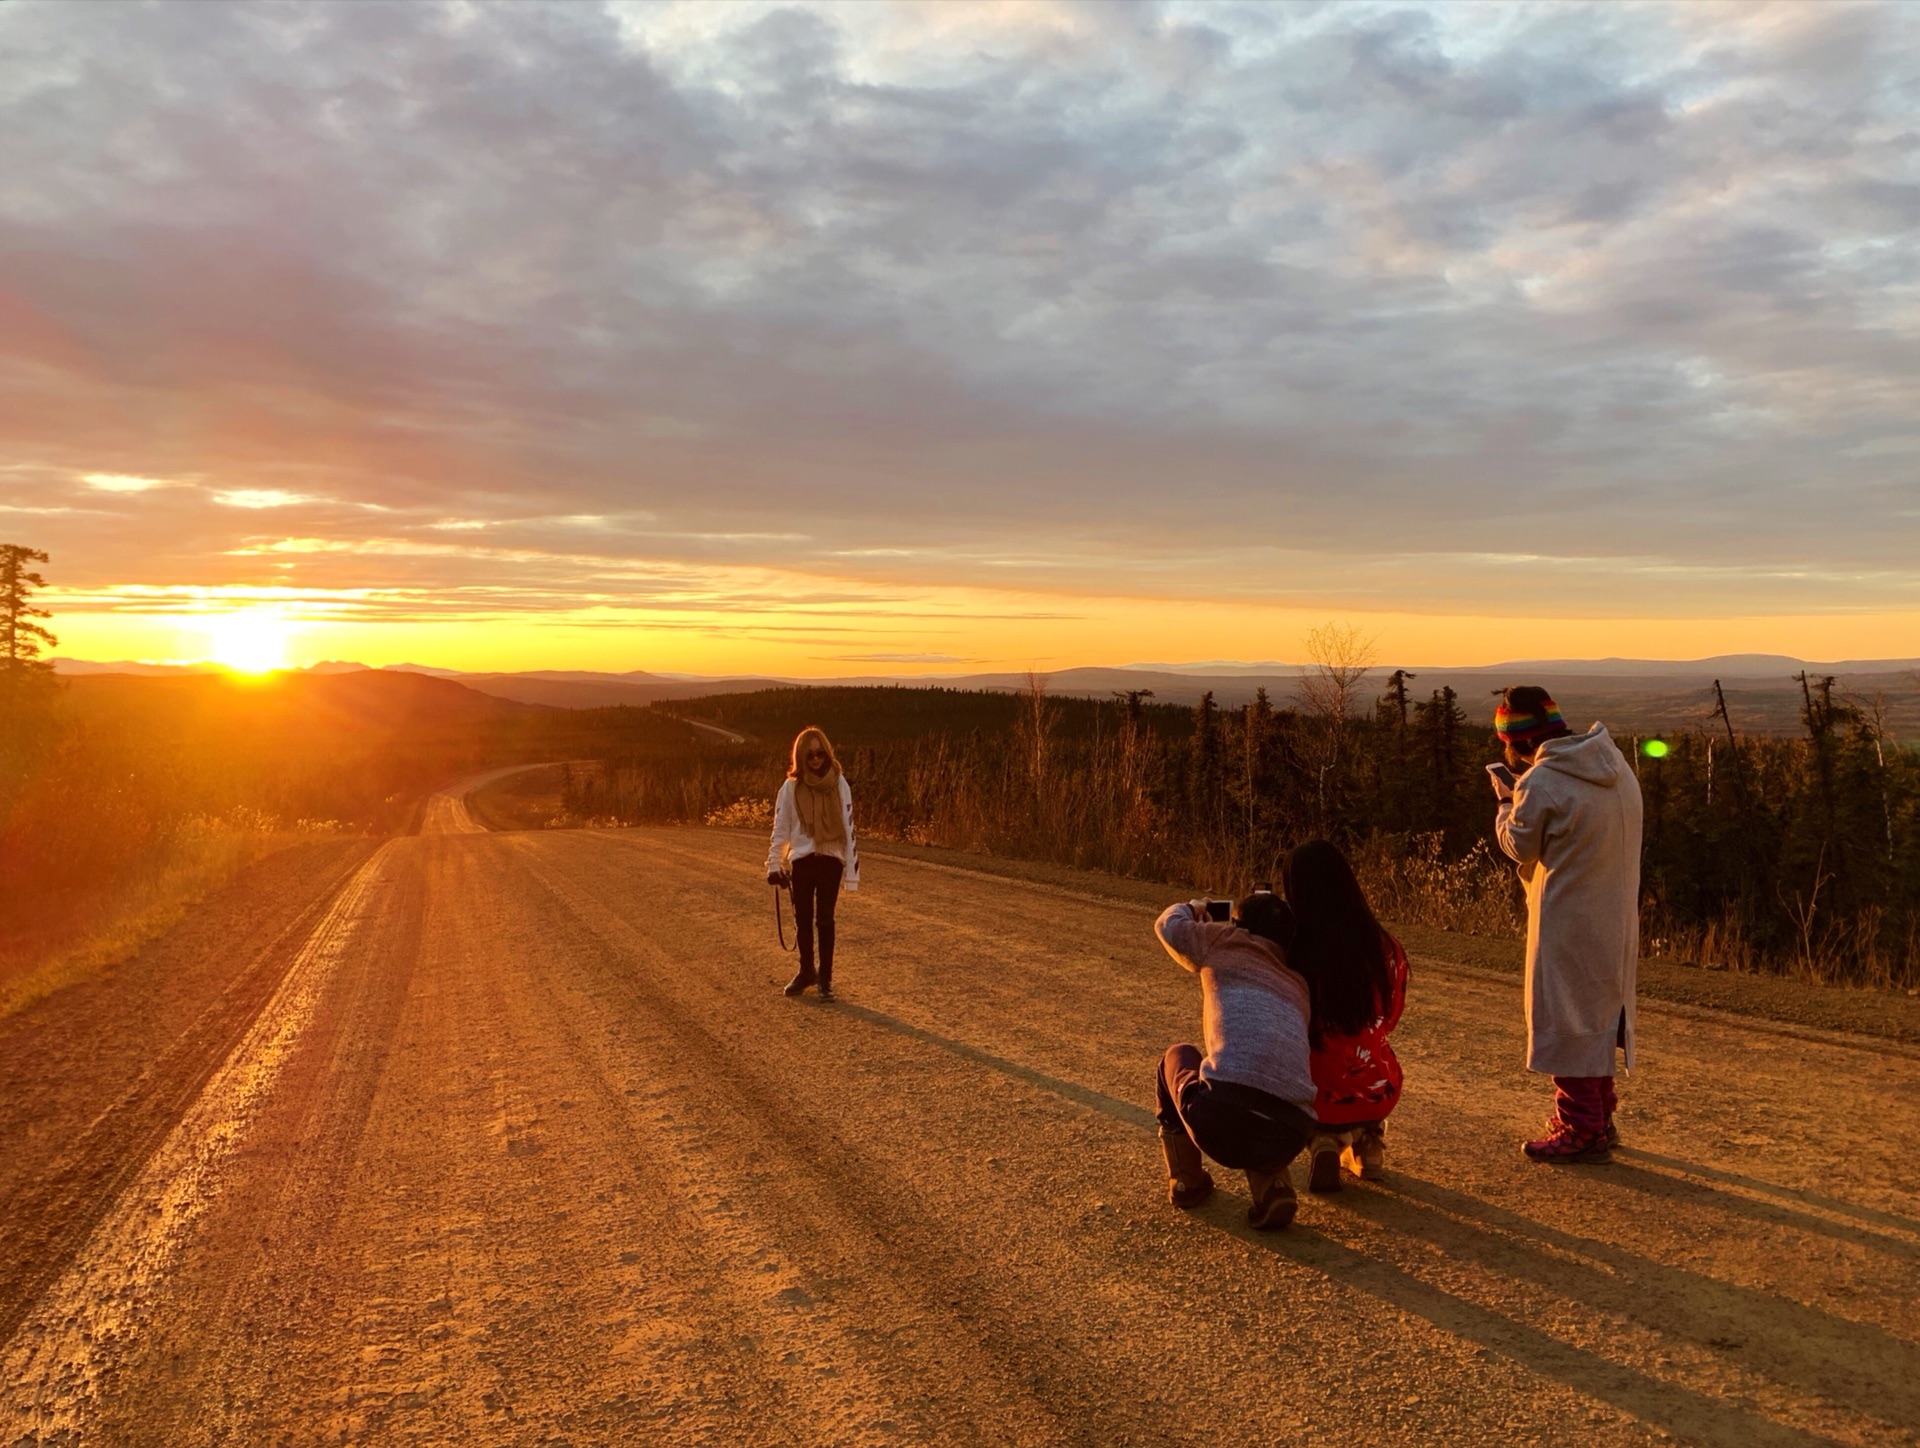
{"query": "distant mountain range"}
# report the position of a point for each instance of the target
(1761, 689)
(1720, 666)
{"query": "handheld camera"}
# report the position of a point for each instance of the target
(1222, 910)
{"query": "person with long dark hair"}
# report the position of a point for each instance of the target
(813, 851)
(1356, 975)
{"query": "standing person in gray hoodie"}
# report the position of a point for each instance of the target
(1248, 1102)
(1571, 820)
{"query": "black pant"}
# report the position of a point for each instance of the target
(1238, 1126)
(816, 887)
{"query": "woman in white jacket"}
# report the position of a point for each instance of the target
(1571, 822)
(813, 851)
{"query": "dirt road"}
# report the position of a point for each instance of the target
(514, 1140)
(446, 812)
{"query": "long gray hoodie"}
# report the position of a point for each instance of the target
(1253, 1005)
(1573, 825)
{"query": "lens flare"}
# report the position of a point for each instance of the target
(1654, 749)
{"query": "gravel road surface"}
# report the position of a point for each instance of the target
(511, 1138)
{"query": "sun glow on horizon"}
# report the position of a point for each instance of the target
(940, 631)
(251, 641)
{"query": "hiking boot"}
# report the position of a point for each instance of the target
(1188, 1184)
(1612, 1134)
(1274, 1203)
(1564, 1144)
(1366, 1154)
(826, 983)
(1325, 1174)
(802, 978)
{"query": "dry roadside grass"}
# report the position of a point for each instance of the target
(108, 930)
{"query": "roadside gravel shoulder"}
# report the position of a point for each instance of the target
(93, 1075)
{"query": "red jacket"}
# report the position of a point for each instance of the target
(1358, 1076)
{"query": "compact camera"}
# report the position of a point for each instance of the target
(1222, 910)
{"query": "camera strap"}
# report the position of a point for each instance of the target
(779, 922)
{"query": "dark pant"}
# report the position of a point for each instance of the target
(1238, 1126)
(1585, 1103)
(816, 888)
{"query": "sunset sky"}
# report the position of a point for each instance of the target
(890, 338)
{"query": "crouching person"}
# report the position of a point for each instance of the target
(1247, 1102)
(1356, 974)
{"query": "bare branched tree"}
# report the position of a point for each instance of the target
(1339, 659)
(1036, 719)
(1873, 716)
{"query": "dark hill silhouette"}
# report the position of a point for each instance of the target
(360, 704)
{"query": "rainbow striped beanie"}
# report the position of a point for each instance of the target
(1525, 726)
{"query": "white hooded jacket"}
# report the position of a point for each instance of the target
(1573, 824)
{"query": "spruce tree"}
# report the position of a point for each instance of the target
(24, 675)
(1204, 782)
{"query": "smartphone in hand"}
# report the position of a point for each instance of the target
(1502, 778)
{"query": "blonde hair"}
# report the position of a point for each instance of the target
(802, 741)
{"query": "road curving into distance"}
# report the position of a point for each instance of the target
(524, 1146)
(446, 811)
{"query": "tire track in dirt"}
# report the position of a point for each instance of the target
(264, 1263)
(746, 1275)
(923, 1310)
(69, 1343)
(46, 1216)
(554, 1118)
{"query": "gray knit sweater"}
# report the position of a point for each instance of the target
(1253, 1008)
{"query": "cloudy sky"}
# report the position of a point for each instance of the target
(821, 338)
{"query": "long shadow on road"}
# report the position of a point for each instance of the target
(1765, 1212)
(1783, 1340)
(1802, 1346)
(1681, 1411)
(1072, 1091)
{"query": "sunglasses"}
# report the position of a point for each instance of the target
(817, 754)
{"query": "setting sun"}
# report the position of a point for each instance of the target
(253, 642)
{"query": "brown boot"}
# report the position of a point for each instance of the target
(1366, 1156)
(1274, 1202)
(1325, 1154)
(1188, 1184)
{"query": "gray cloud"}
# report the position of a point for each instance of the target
(1370, 292)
